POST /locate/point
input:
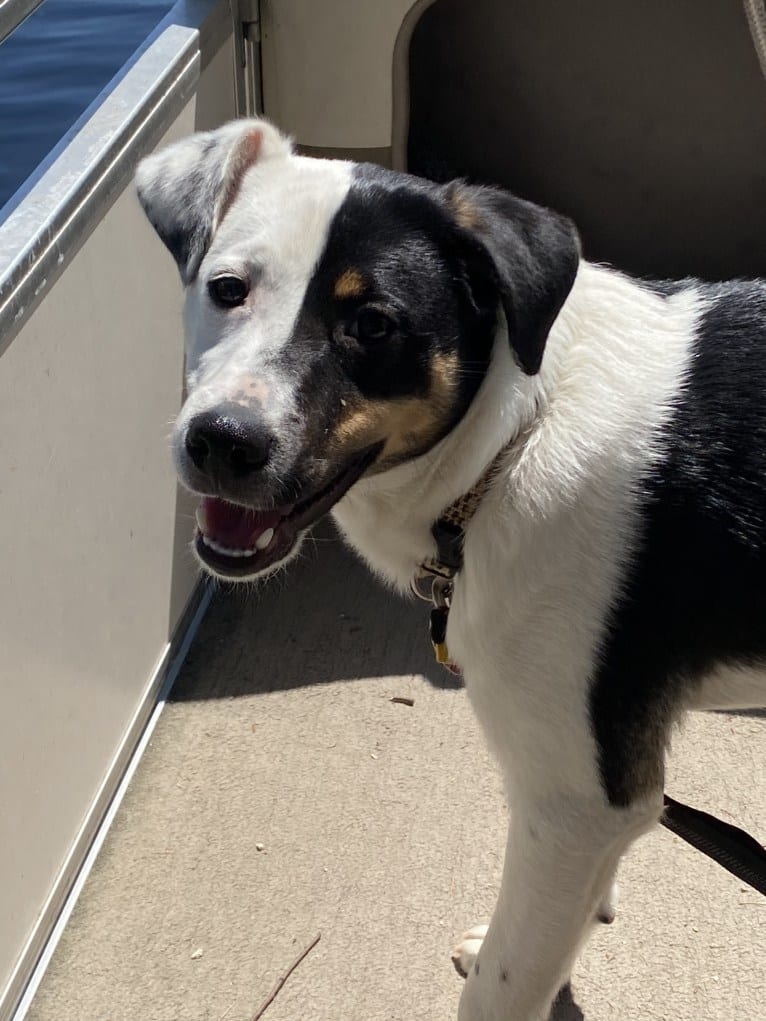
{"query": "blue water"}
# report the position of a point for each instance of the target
(54, 65)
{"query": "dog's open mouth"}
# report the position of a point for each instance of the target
(239, 542)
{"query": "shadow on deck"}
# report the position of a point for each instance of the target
(284, 794)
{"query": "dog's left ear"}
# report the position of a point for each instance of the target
(187, 188)
(533, 254)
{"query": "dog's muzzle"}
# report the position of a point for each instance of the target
(241, 530)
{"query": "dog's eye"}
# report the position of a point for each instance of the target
(371, 326)
(228, 291)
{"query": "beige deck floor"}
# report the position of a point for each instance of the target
(381, 826)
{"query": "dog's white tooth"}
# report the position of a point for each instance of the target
(216, 546)
(201, 519)
(264, 539)
(229, 551)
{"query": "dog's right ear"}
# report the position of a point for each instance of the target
(531, 255)
(187, 188)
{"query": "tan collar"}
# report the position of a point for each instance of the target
(434, 578)
(449, 532)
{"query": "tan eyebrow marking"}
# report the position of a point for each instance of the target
(466, 213)
(349, 284)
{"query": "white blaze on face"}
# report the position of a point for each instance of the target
(273, 235)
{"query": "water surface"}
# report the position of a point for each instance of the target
(54, 65)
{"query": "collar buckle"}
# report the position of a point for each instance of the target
(434, 578)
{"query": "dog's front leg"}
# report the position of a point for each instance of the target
(560, 860)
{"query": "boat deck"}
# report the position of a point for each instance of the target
(284, 794)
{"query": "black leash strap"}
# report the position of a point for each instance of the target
(728, 845)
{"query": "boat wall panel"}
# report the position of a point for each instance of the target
(97, 571)
(88, 505)
(329, 79)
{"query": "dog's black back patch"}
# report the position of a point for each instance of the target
(695, 595)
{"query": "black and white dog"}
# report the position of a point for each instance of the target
(363, 341)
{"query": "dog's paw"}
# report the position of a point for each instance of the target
(465, 953)
(607, 909)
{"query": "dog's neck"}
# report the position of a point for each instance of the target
(387, 518)
(586, 417)
(586, 421)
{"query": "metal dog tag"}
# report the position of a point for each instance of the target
(438, 629)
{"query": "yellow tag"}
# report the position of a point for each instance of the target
(441, 652)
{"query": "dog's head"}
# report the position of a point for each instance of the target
(339, 319)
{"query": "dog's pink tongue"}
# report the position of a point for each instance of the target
(234, 526)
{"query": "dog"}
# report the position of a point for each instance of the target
(365, 343)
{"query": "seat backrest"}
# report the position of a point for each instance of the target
(645, 122)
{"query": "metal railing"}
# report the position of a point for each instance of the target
(13, 12)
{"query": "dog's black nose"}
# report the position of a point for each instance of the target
(228, 440)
